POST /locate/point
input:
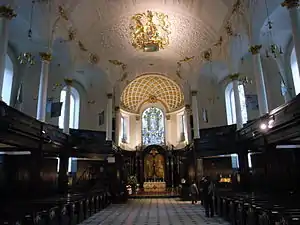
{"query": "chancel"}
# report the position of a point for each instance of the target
(149, 112)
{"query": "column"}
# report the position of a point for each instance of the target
(138, 130)
(292, 6)
(259, 80)
(109, 118)
(118, 125)
(237, 100)
(6, 14)
(169, 133)
(67, 103)
(187, 123)
(195, 115)
(42, 97)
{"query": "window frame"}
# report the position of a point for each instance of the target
(7, 80)
(75, 110)
(230, 104)
(295, 71)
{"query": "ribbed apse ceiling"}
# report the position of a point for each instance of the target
(152, 88)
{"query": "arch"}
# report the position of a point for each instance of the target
(230, 104)
(7, 80)
(153, 126)
(152, 88)
(74, 108)
(295, 71)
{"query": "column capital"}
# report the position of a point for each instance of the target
(194, 93)
(187, 108)
(168, 117)
(7, 12)
(254, 49)
(109, 95)
(137, 118)
(68, 81)
(290, 4)
(234, 76)
(46, 56)
(117, 108)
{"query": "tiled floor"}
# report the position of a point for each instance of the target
(166, 211)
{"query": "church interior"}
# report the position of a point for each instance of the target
(111, 109)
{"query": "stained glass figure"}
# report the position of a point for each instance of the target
(153, 127)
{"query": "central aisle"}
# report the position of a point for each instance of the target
(165, 211)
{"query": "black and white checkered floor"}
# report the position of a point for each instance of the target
(165, 211)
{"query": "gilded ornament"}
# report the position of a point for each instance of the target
(234, 76)
(81, 46)
(207, 55)
(149, 31)
(62, 13)
(7, 12)
(290, 4)
(236, 6)
(152, 99)
(68, 81)
(115, 62)
(46, 56)
(26, 58)
(93, 59)
(71, 34)
(229, 29)
(254, 49)
(219, 42)
(187, 59)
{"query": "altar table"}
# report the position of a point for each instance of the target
(154, 186)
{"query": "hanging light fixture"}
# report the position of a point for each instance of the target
(26, 58)
(273, 49)
(150, 31)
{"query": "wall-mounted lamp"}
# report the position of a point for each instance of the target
(267, 124)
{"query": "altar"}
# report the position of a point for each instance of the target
(154, 186)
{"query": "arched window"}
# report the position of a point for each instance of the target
(153, 126)
(230, 104)
(295, 71)
(7, 81)
(74, 108)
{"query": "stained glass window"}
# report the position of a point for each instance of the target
(153, 127)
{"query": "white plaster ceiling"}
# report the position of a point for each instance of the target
(103, 27)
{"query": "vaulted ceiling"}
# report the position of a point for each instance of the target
(152, 88)
(102, 27)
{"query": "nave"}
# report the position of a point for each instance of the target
(165, 211)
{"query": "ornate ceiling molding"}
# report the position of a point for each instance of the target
(152, 88)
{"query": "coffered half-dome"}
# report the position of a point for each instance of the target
(152, 88)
